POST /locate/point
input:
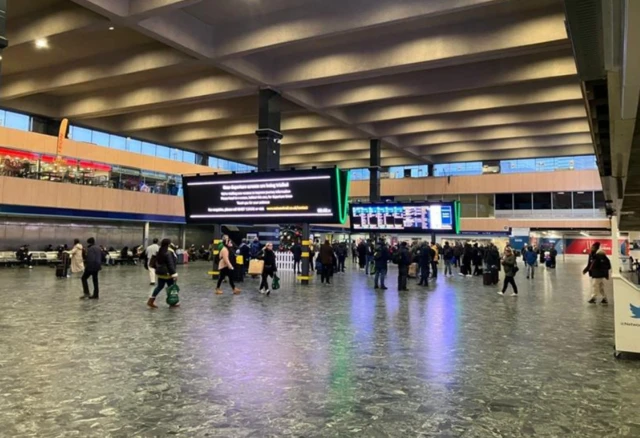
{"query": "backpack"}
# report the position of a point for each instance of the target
(172, 295)
(397, 258)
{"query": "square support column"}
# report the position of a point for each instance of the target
(268, 132)
(375, 158)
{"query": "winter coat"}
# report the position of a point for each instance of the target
(93, 262)
(166, 264)
(326, 254)
(601, 265)
(77, 259)
(509, 264)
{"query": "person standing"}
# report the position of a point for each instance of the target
(77, 257)
(245, 252)
(326, 259)
(93, 265)
(296, 250)
(362, 254)
(510, 270)
(531, 260)
(599, 270)
(403, 259)
(435, 258)
(368, 257)
(164, 267)
(270, 268)
(447, 256)
(381, 259)
(342, 255)
(467, 258)
(150, 252)
(425, 262)
(354, 252)
(225, 267)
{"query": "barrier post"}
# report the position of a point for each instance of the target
(306, 265)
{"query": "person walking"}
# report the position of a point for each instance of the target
(326, 259)
(296, 250)
(150, 252)
(270, 268)
(403, 259)
(447, 256)
(381, 259)
(92, 265)
(425, 260)
(510, 270)
(531, 260)
(225, 267)
(163, 262)
(77, 257)
(245, 252)
(599, 270)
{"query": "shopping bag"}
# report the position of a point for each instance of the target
(256, 267)
(172, 295)
(275, 285)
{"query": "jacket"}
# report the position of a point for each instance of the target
(381, 257)
(509, 264)
(601, 265)
(403, 257)
(225, 261)
(492, 258)
(447, 253)
(296, 250)
(269, 258)
(326, 254)
(426, 256)
(530, 258)
(590, 260)
(93, 262)
(166, 264)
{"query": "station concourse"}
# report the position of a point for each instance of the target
(469, 145)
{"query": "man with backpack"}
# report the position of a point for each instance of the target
(402, 258)
(598, 268)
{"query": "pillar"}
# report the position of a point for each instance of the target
(429, 170)
(306, 249)
(269, 135)
(615, 247)
(3, 28)
(375, 157)
(145, 235)
(217, 238)
(183, 236)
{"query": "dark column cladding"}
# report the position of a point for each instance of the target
(47, 126)
(374, 170)
(3, 28)
(269, 135)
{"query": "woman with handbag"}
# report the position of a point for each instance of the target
(270, 268)
(164, 262)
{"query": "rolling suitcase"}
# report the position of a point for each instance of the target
(487, 278)
(62, 270)
(413, 270)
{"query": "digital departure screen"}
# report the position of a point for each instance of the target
(405, 218)
(296, 196)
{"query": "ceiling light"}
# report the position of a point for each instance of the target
(111, 28)
(42, 43)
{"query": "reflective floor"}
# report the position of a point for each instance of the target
(453, 360)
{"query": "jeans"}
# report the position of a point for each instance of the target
(296, 265)
(85, 284)
(403, 274)
(447, 267)
(508, 280)
(434, 269)
(381, 274)
(341, 261)
(225, 272)
(368, 265)
(424, 276)
(162, 282)
(531, 271)
(327, 270)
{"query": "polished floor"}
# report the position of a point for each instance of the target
(453, 360)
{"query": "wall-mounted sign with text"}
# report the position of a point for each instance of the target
(296, 196)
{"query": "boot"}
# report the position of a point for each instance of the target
(237, 291)
(151, 302)
(219, 292)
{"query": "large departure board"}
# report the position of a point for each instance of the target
(408, 218)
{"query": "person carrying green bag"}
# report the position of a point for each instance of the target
(164, 262)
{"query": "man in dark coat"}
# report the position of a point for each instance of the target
(92, 265)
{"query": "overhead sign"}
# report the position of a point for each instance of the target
(297, 196)
(406, 218)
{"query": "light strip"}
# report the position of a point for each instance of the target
(257, 216)
(217, 183)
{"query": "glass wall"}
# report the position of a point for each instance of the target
(548, 164)
(230, 166)
(458, 169)
(550, 201)
(10, 119)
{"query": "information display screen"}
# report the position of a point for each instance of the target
(315, 195)
(407, 218)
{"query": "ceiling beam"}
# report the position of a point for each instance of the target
(421, 49)
(142, 8)
(482, 118)
(104, 66)
(557, 90)
(199, 87)
(529, 130)
(449, 79)
(333, 18)
(554, 141)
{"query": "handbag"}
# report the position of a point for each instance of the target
(275, 285)
(256, 267)
(173, 296)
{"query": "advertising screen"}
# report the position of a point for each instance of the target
(405, 218)
(297, 196)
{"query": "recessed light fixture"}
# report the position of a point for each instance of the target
(111, 28)
(42, 43)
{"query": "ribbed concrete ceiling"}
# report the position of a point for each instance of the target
(437, 80)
